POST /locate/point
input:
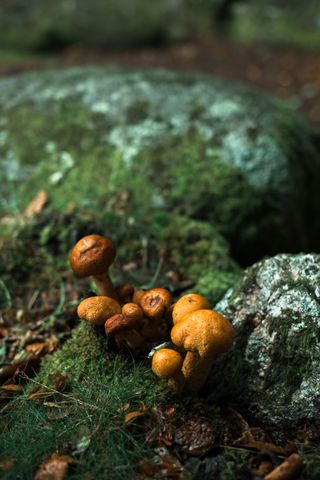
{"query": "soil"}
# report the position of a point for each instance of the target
(289, 74)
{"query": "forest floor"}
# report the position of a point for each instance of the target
(147, 433)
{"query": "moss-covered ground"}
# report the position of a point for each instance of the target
(81, 401)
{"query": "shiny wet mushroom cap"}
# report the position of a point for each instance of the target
(92, 256)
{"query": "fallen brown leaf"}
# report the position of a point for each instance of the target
(12, 388)
(6, 463)
(40, 393)
(287, 470)
(130, 416)
(43, 348)
(54, 468)
(37, 204)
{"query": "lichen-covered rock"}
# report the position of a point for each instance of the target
(273, 370)
(54, 23)
(289, 22)
(138, 142)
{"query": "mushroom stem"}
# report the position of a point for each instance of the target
(196, 369)
(177, 382)
(105, 286)
(132, 338)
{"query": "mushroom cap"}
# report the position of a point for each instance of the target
(97, 309)
(121, 323)
(137, 296)
(155, 302)
(166, 363)
(187, 304)
(92, 255)
(132, 310)
(125, 291)
(204, 331)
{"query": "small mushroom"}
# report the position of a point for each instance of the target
(187, 304)
(92, 256)
(125, 292)
(132, 310)
(124, 328)
(137, 296)
(97, 309)
(167, 363)
(203, 334)
(155, 302)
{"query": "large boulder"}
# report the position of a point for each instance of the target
(146, 141)
(273, 369)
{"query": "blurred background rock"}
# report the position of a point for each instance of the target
(274, 45)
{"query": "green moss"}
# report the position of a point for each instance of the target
(311, 460)
(89, 413)
(296, 350)
(285, 23)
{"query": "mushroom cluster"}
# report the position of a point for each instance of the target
(141, 319)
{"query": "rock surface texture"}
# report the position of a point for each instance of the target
(145, 141)
(274, 366)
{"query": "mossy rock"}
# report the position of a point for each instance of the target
(52, 24)
(273, 367)
(290, 22)
(142, 142)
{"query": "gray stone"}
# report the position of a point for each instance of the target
(148, 141)
(273, 369)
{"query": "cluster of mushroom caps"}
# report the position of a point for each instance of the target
(144, 318)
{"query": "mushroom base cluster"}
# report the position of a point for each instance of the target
(143, 319)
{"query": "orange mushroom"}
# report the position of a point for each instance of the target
(97, 310)
(187, 304)
(203, 334)
(92, 256)
(167, 363)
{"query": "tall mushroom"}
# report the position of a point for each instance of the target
(97, 310)
(92, 256)
(204, 334)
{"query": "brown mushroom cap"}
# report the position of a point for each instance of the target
(125, 292)
(121, 323)
(97, 309)
(92, 255)
(187, 304)
(132, 310)
(137, 296)
(155, 302)
(204, 331)
(166, 363)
